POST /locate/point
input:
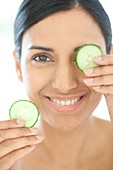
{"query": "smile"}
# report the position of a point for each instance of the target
(65, 102)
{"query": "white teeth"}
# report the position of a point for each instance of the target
(62, 103)
(57, 101)
(73, 101)
(65, 103)
(77, 99)
(54, 100)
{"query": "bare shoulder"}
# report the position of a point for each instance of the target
(102, 140)
(104, 125)
(104, 132)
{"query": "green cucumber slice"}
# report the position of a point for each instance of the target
(25, 110)
(85, 54)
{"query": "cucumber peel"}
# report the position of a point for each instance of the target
(24, 110)
(85, 54)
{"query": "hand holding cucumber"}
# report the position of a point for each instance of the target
(16, 141)
(26, 110)
(85, 54)
(100, 78)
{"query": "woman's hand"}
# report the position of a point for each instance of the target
(101, 79)
(16, 141)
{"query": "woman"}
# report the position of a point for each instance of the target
(47, 36)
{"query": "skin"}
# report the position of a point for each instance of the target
(52, 81)
(73, 138)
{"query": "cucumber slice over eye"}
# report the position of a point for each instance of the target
(85, 54)
(25, 110)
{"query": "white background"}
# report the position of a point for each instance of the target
(10, 88)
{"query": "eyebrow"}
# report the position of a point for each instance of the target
(35, 47)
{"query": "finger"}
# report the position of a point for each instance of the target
(104, 89)
(11, 124)
(7, 161)
(99, 81)
(14, 144)
(104, 60)
(17, 132)
(99, 71)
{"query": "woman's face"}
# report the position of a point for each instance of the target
(49, 72)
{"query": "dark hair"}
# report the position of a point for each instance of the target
(33, 11)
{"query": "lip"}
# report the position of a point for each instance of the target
(69, 108)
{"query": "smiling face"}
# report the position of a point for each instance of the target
(48, 68)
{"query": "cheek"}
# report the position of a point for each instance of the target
(36, 79)
(93, 101)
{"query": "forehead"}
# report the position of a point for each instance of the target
(74, 25)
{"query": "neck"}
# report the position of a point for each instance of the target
(66, 147)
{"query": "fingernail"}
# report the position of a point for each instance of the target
(34, 130)
(89, 80)
(32, 147)
(89, 71)
(21, 122)
(39, 137)
(96, 88)
(97, 58)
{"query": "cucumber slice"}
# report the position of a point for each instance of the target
(85, 54)
(25, 110)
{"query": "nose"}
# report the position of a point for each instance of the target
(65, 78)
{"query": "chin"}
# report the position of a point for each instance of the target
(69, 124)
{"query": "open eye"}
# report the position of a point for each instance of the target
(41, 58)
